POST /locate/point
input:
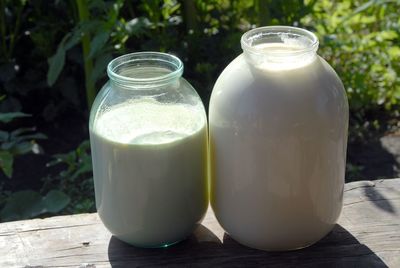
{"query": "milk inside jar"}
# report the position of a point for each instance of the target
(149, 150)
(278, 136)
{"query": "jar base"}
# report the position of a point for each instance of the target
(299, 246)
(272, 249)
(151, 246)
(282, 249)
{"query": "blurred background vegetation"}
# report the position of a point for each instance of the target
(53, 56)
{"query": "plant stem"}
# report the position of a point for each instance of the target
(190, 14)
(15, 33)
(88, 63)
(131, 9)
(263, 12)
(3, 28)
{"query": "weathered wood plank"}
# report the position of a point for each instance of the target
(368, 235)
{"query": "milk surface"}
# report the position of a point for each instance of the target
(278, 134)
(150, 171)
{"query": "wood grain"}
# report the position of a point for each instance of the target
(367, 235)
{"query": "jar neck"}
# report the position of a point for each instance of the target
(279, 47)
(144, 70)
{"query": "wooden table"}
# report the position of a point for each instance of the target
(367, 235)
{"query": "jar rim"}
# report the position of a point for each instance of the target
(145, 59)
(279, 34)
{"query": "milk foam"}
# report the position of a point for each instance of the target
(148, 122)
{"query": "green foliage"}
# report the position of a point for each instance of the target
(359, 38)
(361, 41)
(75, 179)
(74, 194)
(56, 62)
(35, 27)
(159, 24)
(23, 204)
(17, 142)
(10, 11)
(29, 204)
(101, 31)
(8, 117)
(6, 163)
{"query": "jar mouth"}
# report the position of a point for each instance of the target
(145, 68)
(300, 41)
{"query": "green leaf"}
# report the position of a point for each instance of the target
(6, 146)
(368, 5)
(28, 204)
(137, 25)
(73, 39)
(57, 61)
(35, 136)
(55, 201)
(6, 163)
(394, 52)
(8, 117)
(54, 163)
(98, 43)
(364, 7)
(84, 168)
(22, 130)
(387, 35)
(23, 148)
(4, 135)
(22, 205)
(100, 66)
(56, 64)
(85, 145)
(86, 27)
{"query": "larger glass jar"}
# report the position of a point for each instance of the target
(278, 120)
(148, 134)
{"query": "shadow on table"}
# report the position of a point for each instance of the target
(197, 247)
(378, 199)
(377, 158)
(338, 249)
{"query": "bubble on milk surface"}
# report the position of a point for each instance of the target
(158, 137)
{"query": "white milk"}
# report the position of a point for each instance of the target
(278, 135)
(150, 171)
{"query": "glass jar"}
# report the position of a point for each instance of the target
(278, 120)
(148, 135)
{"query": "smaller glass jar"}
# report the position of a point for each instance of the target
(148, 134)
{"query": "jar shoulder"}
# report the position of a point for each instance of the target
(97, 103)
(180, 92)
(240, 74)
(241, 83)
(246, 97)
